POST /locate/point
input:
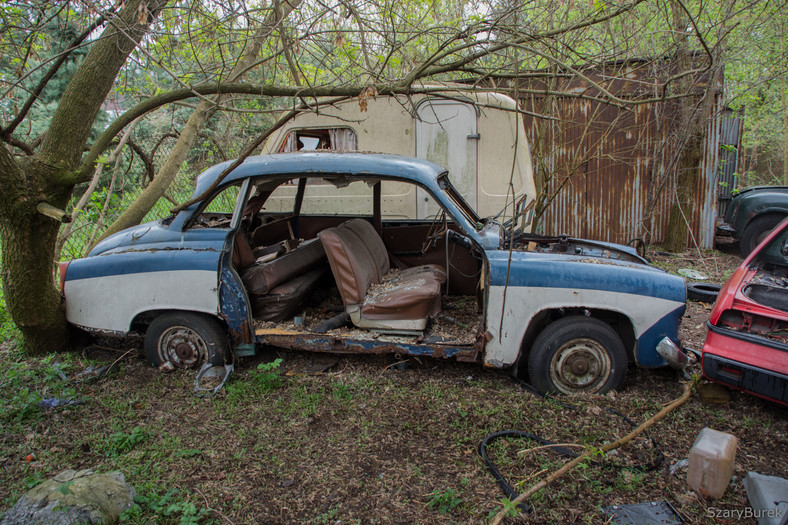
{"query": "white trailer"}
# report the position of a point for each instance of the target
(478, 137)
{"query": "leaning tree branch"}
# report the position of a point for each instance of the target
(698, 71)
(146, 160)
(13, 141)
(106, 138)
(451, 66)
(403, 86)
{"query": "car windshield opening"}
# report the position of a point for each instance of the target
(462, 205)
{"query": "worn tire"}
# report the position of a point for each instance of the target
(756, 230)
(185, 339)
(703, 292)
(577, 355)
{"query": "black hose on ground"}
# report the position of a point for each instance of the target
(508, 489)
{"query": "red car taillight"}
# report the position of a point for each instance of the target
(62, 274)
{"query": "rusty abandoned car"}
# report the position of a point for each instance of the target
(314, 251)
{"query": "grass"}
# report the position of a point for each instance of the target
(359, 443)
(444, 501)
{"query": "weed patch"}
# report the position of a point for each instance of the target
(121, 443)
(444, 501)
(23, 387)
(8, 330)
(164, 508)
(266, 378)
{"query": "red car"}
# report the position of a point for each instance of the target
(747, 342)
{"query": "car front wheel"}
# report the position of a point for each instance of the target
(756, 231)
(577, 355)
(186, 340)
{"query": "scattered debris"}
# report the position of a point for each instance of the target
(52, 402)
(713, 393)
(166, 367)
(711, 461)
(673, 355)
(93, 373)
(584, 457)
(768, 496)
(210, 379)
(678, 466)
(695, 275)
(651, 513)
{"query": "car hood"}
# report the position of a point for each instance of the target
(566, 245)
(154, 232)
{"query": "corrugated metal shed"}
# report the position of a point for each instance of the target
(605, 166)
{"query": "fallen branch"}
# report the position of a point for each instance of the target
(605, 448)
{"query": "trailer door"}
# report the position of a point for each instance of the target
(446, 135)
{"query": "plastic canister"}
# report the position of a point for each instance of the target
(711, 462)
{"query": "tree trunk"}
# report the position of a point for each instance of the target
(28, 237)
(28, 240)
(683, 205)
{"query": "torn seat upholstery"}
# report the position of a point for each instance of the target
(277, 288)
(374, 296)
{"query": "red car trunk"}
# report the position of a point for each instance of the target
(747, 342)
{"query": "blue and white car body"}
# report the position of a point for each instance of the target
(527, 286)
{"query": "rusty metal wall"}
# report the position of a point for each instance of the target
(606, 167)
(606, 164)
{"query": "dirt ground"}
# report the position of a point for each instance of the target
(359, 439)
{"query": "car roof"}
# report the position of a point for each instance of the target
(325, 164)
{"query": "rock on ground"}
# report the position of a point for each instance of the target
(73, 497)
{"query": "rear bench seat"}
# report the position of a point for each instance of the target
(374, 297)
(279, 287)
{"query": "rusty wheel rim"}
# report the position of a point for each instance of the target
(183, 347)
(580, 365)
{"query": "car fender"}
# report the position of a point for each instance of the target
(754, 202)
(652, 301)
(108, 292)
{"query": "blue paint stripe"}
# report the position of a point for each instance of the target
(567, 271)
(130, 262)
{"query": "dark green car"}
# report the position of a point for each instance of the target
(753, 213)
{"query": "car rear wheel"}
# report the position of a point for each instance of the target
(577, 355)
(756, 231)
(186, 340)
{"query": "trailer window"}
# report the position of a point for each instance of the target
(331, 139)
(324, 198)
